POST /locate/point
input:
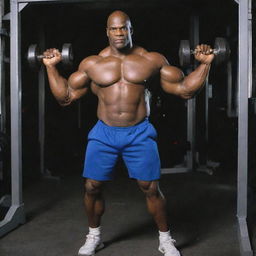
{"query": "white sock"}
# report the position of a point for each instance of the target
(95, 231)
(164, 235)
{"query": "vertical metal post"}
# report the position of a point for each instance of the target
(16, 134)
(2, 74)
(191, 104)
(250, 47)
(229, 81)
(41, 105)
(230, 88)
(206, 138)
(243, 87)
(16, 214)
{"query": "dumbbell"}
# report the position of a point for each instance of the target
(34, 57)
(221, 51)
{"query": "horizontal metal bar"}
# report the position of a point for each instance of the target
(174, 170)
(57, 1)
(86, 1)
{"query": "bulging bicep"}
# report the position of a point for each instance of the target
(171, 74)
(172, 80)
(78, 80)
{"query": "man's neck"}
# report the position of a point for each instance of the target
(121, 52)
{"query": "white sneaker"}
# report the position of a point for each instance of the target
(92, 244)
(167, 247)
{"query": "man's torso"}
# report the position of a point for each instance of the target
(119, 83)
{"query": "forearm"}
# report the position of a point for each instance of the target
(195, 80)
(58, 85)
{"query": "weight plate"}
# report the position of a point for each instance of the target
(67, 54)
(32, 54)
(222, 49)
(184, 53)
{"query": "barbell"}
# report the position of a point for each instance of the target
(34, 57)
(221, 51)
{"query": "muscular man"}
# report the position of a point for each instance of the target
(118, 75)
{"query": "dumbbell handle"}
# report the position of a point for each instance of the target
(214, 51)
(40, 57)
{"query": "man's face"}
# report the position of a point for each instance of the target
(119, 32)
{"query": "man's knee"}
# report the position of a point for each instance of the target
(149, 188)
(93, 187)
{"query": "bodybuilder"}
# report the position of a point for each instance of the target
(118, 75)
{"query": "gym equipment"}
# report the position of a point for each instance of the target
(221, 51)
(34, 57)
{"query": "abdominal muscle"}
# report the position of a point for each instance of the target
(121, 104)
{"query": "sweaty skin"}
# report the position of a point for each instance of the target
(118, 75)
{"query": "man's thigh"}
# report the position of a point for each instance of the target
(100, 160)
(142, 159)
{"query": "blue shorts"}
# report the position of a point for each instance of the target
(135, 144)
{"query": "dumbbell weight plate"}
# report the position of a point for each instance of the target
(184, 53)
(221, 46)
(32, 54)
(221, 51)
(67, 54)
(34, 58)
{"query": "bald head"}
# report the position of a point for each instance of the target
(118, 16)
(119, 31)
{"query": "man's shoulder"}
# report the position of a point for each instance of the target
(148, 54)
(95, 58)
(105, 52)
(155, 57)
(139, 50)
(88, 61)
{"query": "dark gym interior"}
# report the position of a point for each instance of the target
(201, 205)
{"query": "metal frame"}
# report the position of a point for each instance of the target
(2, 77)
(1, 73)
(243, 89)
(16, 215)
(250, 47)
(41, 105)
(231, 106)
(190, 157)
(191, 111)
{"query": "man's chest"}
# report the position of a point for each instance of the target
(133, 69)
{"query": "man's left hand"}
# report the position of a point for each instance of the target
(204, 54)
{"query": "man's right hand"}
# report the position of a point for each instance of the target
(51, 57)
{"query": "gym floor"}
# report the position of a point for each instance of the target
(202, 214)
